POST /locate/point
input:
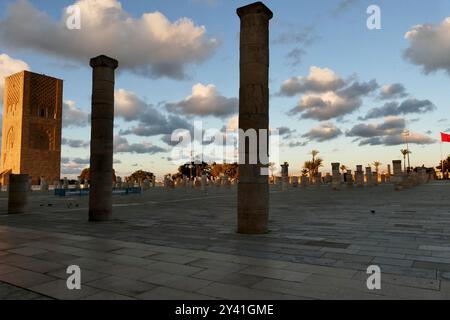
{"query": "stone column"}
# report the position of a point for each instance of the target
(102, 124)
(253, 187)
(349, 178)
(318, 178)
(204, 182)
(43, 185)
(369, 176)
(336, 176)
(304, 180)
(66, 183)
(284, 176)
(294, 181)
(18, 189)
(375, 178)
(359, 176)
(397, 170)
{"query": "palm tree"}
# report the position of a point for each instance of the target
(309, 167)
(376, 164)
(314, 153)
(318, 162)
(404, 152)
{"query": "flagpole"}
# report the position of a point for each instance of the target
(442, 162)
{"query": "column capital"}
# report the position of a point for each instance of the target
(104, 61)
(253, 8)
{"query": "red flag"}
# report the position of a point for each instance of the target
(445, 137)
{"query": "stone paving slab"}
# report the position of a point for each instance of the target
(152, 249)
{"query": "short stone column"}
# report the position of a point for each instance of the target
(349, 178)
(284, 177)
(204, 182)
(65, 183)
(359, 176)
(146, 185)
(304, 181)
(369, 176)
(336, 176)
(294, 181)
(102, 128)
(318, 178)
(375, 178)
(397, 169)
(18, 190)
(253, 187)
(119, 182)
(43, 185)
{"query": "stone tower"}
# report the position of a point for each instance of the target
(31, 133)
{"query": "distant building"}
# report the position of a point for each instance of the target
(31, 133)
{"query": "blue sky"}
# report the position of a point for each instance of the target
(324, 34)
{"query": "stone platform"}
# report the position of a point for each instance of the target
(182, 244)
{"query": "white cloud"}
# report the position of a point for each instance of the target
(429, 46)
(150, 45)
(388, 133)
(8, 66)
(121, 145)
(127, 105)
(318, 80)
(205, 101)
(323, 132)
(233, 123)
(392, 91)
(150, 121)
(326, 101)
(73, 116)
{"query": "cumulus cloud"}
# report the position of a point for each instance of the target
(8, 66)
(325, 131)
(233, 123)
(393, 91)
(150, 45)
(73, 165)
(318, 80)
(73, 116)
(127, 105)
(429, 46)
(204, 101)
(388, 133)
(150, 121)
(325, 94)
(121, 145)
(285, 132)
(328, 105)
(408, 106)
(75, 143)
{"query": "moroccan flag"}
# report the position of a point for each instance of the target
(445, 137)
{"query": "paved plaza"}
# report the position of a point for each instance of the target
(182, 244)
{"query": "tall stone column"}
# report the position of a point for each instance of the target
(253, 188)
(102, 125)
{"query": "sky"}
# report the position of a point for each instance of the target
(335, 85)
